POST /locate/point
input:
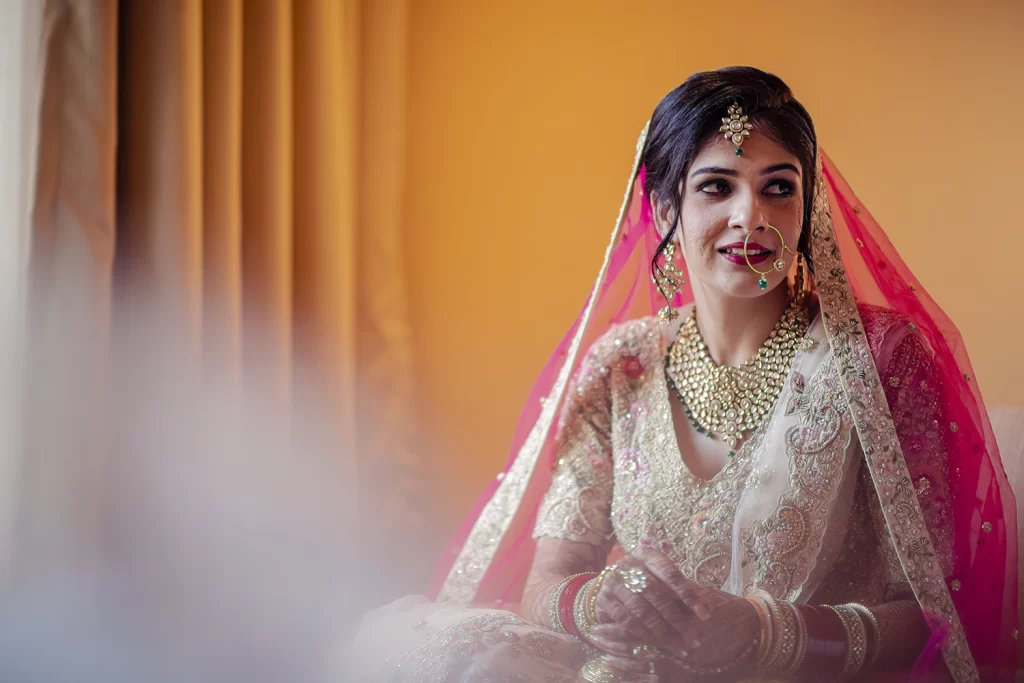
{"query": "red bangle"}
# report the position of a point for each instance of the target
(826, 644)
(567, 601)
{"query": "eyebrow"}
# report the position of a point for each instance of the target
(717, 170)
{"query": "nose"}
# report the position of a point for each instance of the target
(747, 213)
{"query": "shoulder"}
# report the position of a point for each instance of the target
(638, 339)
(878, 319)
(902, 355)
(885, 329)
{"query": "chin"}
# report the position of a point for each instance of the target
(746, 287)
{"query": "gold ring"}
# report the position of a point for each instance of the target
(646, 653)
(635, 579)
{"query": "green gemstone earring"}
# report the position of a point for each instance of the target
(778, 265)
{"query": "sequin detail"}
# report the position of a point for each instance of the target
(877, 433)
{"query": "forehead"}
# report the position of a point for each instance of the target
(758, 151)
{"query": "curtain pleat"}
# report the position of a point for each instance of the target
(268, 187)
(254, 150)
(222, 190)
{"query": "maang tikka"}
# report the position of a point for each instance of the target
(669, 281)
(736, 127)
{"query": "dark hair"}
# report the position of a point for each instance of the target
(690, 116)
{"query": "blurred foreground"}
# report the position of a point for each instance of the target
(170, 524)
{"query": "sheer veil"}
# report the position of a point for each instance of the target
(973, 611)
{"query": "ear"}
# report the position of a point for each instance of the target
(664, 215)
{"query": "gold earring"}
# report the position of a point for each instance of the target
(779, 264)
(801, 279)
(669, 281)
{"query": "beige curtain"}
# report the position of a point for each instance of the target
(21, 42)
(233, 165)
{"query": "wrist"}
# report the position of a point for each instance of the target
(734, 660)
(752, 639)
(784, 636)
(562, 603)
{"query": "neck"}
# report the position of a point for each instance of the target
(735, 328)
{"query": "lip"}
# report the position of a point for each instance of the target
(751, 246)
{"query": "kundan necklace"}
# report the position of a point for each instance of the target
(726, 402)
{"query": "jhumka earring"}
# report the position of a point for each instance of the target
(736, 127)
(779, 264)
(669, 281)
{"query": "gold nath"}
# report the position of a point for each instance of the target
(726, 402)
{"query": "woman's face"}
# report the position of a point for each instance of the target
(725, 197)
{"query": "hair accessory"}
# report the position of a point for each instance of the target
(736, 127)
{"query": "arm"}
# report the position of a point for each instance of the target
(556, 560)
(896, 632)
(573, 529)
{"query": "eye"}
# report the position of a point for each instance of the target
(780, 187)
(717, 186)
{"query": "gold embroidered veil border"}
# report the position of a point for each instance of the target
(877, 433)
(476, 556)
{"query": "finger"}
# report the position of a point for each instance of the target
(611, 645)
(679, 617)
(613, 608)
(641, 617)
(616, 632)
(662, 567)
(647, 607)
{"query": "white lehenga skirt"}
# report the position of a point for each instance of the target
(414, 640)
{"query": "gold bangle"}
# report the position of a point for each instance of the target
(760, 600)
(800, 652)
(553, 600)
(783, 637)
(579, 612)
(594, 589)
(874, 645)
(856, 649)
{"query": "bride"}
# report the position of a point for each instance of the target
(758, 453)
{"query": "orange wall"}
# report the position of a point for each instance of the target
(523, 118)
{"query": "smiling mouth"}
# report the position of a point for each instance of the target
(739, 252)
(755, 254)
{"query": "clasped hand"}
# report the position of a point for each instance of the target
(683, 621)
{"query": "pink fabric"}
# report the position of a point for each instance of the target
(985, 562)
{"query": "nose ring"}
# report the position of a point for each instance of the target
(779, 264)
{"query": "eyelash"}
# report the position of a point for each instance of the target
(786, 188)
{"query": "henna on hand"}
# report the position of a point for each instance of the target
(554, 561)
(725, 624)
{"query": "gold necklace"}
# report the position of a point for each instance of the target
(726, 402)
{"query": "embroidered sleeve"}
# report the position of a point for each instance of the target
(912, 389)
(578, 502)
